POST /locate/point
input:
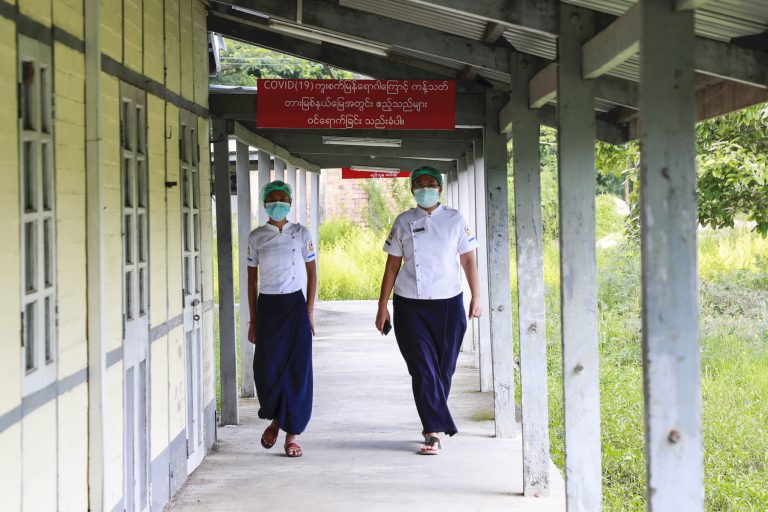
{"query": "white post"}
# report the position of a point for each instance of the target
(279, 169)
(314, 220)
(469, 212)
(227, 349)
(484, 323)
(530, 285)
(500, 303)
(243, 232)
(671, 351)
(304, 197)
(264, 168)
(578, 272)
(290, 171)
(462, 192)
(98, 473)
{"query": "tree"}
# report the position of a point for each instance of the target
(732, 167)
(242, 64)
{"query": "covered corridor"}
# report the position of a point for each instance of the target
(360, 447)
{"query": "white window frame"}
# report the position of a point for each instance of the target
(189, 156)
(135, 201)
(37, 206)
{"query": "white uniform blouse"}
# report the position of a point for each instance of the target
(281, 256)
(429, 244)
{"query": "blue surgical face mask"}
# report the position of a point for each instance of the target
(426, 197)
(277, 210)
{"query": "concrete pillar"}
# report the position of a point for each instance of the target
(668, 221)
(264, 168)
(468, 210)
(290, 178)
(279, 169)
(304, 197)
(578, 271)
(314, 220)
(228, 358)
(243, 231)
(484, 322)
(530, 284)
(500, 304)
(462, 192)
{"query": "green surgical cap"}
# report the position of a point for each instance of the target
(430, 171)
(275, 185)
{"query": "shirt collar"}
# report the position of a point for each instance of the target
(274, 228)
(423, 213)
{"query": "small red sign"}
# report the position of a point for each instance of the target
(356, 104)
(355, 174)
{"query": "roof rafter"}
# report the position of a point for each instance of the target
(330, 16)
(326, 53)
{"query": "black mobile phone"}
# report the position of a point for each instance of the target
(387, 327)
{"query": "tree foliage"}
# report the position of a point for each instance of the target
(732, 163)
(242, 64)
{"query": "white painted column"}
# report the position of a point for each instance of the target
(469, 213)
(455, 203)
(302, 218)
(228, 358)
(243, 231)
(314, 220)
(483, 242)
(500, 304)
(530, 284)
(462, 192)
(264, 168)
(279, 169)
(290, 172)
(96, 291)
(668, 213)
(578, 273)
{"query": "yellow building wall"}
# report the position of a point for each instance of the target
(112, 28)
(113, 436)
(172, 59)
(10, 303)
(39, 10)
(38, 444)
(133, 42)
(113, 241)
(187, 49)
(176, 371)
(45, 454)
(69, 69)
(73, 449)
(153, 38)
(68, 15)
(206, 253)
(200, 53)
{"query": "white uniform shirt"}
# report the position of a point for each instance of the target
(429, 244)
(280, 256)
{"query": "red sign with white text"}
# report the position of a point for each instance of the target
(355, 174)
(356, 104)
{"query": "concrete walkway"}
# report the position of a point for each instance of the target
(360, 447)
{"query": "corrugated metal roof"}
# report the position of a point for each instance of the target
(425, 16)
(721, 20)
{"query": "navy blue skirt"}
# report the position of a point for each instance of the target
(282, 360)
(429, 334)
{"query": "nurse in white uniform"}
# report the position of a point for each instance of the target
(428, 246)
(281, 324)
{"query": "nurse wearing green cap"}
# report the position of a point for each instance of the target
(427, 247)
(281, 324)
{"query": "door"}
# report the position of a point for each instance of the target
(135, 197)
(192, 282)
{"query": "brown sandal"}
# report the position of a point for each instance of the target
(293, 450)
(273, 432)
